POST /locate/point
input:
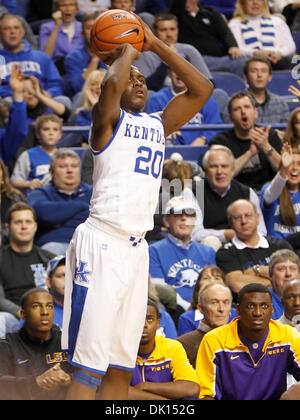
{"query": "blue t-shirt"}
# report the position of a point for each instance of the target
(179, 266)
(271, 214)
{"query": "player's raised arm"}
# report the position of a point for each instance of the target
(106, 112)
(184, 106)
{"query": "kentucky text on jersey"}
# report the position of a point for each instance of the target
(25, 66)
(183, 264)
(144, 133)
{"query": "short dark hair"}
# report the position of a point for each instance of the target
(20, 205)
(239, 95)
(30, 292)
(253, 288)
(254, 60)
(162, 16)
(154, 304)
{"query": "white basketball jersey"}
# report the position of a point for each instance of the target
(127, 174)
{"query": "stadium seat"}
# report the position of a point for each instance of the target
(229, 82)
(281, 80)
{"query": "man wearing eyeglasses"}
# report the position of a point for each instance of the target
(245, 258)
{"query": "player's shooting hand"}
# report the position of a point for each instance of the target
(108, 57)
(149, 35)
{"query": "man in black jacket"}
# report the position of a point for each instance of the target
(32, 363)
(22, 264)
(207, 30)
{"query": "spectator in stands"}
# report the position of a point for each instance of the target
(85, 7)
(177, 260)
(90, 95)
(291, 304)
(225, 7)
(271, 108)
(80, 62)
(207, 30)
(291, 314)
(31, 62)
(284, 266)
(128, 5)
(209, 114)
(289, 9)
(249, 358)
(214, 302)
(63, 204)
(55, 282)
(28, 35)
(33, 365)
(189, 320)
(22, 264)
(63, 34)
(292, 132)
(245, 258)
(8, 196)
(38, 102)
(162, 368)
(256, 149)
(216, 191)
(31, 169)
(176, 180)
(165, 298)
(165, 27)
(280, 199)
(16, 129)
(261, 34)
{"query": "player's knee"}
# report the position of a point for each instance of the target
(87, 379)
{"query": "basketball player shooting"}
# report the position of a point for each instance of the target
(107, 260)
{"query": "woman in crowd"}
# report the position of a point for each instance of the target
(280, 199)
(292, 132)
(90, 95)
(261, 34)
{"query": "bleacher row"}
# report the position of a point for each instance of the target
(189, 153)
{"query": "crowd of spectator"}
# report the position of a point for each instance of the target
(224, 269)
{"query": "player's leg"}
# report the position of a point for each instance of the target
(115, 385)
(84, 386)
(129, 326)
(93, 307)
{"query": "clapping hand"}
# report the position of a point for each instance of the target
(286, 158)
(294, 90)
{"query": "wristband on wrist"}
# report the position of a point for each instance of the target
(269, 152)
(256, 269)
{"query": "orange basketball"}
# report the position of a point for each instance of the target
(116, 27)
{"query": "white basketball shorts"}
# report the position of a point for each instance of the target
(105, 298)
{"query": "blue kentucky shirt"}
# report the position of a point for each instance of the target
(179, 266)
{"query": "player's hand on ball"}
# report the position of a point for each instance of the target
(110, 56)
(149, 35)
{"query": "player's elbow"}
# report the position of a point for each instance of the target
(192, 389)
